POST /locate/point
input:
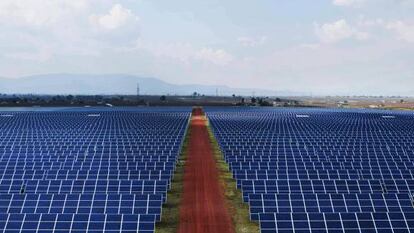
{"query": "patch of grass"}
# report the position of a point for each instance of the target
(170, 217)
(239, 210)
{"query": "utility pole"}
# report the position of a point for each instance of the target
(137, 91)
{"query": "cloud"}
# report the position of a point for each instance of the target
(403, 30)
(349, 3)
(309, 46)
(41, 55)
(337, 31)
(182, 52)
(215, 56)
(252, 41)
(44, 29)
(369, 23)
(39, 13)
(182, 42)
(117, 17)
(372, 4)
(185, 53)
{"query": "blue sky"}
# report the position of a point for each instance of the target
(322, 47)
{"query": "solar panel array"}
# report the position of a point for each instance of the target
(87, 171)
(321, 170)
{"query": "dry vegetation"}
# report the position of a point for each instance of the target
(238, 209)
(170, 217)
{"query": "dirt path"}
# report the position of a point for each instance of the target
(203, 206)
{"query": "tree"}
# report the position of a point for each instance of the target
(253, 100)
(163, 98)
(69, 97)
(265, 103)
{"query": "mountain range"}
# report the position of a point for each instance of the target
(85, 84)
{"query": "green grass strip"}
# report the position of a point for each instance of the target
(170, 217)
(238, 209)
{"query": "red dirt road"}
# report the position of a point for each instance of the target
(203, 208)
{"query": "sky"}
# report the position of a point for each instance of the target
(320, 47)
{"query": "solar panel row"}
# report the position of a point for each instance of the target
(87, 171)
(110, 223)
(30, 174)
(321, 170)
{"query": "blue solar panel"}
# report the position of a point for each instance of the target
(336, 222)
(321, 170)
(328, 203)
(94, 170)
(77, 223)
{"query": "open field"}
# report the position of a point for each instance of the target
(397, 103)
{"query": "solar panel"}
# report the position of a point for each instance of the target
(82, 204)
(88, 170)
(328, 203)
(321, 170)
(336, 222)
(77, 223)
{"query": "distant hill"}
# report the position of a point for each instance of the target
(53, 84)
